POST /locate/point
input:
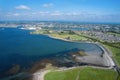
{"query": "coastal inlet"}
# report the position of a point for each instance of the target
(21, 51)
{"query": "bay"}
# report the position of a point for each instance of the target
(20, 47)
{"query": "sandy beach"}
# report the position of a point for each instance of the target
(39, 75)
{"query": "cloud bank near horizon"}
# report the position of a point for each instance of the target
(74, 10)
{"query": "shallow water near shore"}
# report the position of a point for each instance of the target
(20, 47)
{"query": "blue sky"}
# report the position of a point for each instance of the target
(67, 10)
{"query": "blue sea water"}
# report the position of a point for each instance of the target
(20, 47)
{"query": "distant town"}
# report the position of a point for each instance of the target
(107, 32)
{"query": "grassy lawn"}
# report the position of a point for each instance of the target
(82, 73)
(72, 37)
(60, 35)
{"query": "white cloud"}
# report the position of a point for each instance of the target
(22, 7)
(12, 14)
(56, 13)
(43, 13)
(16, 14)
(48, 5)
(73, 14)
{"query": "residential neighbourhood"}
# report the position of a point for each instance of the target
(107, 32)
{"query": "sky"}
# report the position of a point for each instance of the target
(61, 10)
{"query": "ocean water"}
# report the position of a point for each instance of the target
(19, 47)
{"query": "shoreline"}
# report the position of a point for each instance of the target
(41, 75)
(67, 68)
(109, 61)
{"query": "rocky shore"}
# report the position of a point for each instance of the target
(70, 58)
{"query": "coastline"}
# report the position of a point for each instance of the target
(39, 75)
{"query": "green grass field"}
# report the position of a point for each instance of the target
(72, 37)
(52, 33)
(82, 73)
